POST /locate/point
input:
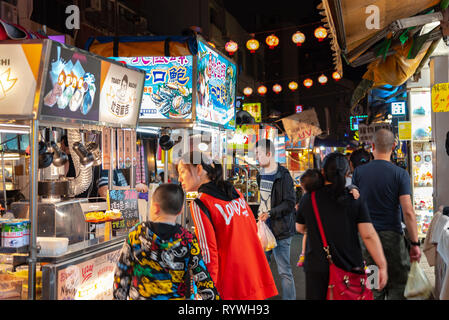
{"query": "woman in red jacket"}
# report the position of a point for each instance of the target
(227, 232)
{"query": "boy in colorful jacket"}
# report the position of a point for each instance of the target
(159, 258)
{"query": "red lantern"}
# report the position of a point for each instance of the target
(231, 47)
(277, 88)
(272, 41)
(336, 76)
(298, 38)
(262, 90)
(248, 91)
(322, 79)
(320, 33)
(293, 85)
(252, 45)
(308, 83)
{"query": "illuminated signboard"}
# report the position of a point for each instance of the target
(354, 122)
(299, 109)
(254, 109)
(168, 86)
(216, 82)
(398, 108)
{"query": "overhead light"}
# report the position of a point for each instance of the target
(203, 147)
(148, 130)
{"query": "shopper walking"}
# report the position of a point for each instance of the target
(159, 258)
(386, 189)
(227, 231)
(343, 218)
(277, 209)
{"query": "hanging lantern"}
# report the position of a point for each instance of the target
(336, 76)
(298, 38)
(231, 47)
(320, 33)
(248, 91)
(262, 90)
(293, 86)
(322, 79)
(277, 88)
(252, 45)
(272, 41)
(308, 83)
(211, 44)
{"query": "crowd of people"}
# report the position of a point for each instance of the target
(366, 213)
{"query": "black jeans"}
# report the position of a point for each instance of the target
(316, 285)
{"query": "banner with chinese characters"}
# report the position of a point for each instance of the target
(440, 97)
(168, 86)
(19, 68)
(121, 94)
(254, 109)
(216, 82)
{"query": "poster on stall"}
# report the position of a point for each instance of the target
(72, 85)
(405, 130)
(440, 98)
(216, 82)
(254, 109)
(301, 126)
(120, 149)
(126, 202)
(120, 94)
(168, 86)
(19, 70)
(88, 280)
(128, 148)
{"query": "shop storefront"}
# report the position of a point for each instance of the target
(73, 241)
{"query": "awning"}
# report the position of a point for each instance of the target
(346, 21)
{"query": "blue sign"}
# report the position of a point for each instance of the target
(398, 108)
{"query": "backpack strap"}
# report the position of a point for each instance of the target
(203, 208)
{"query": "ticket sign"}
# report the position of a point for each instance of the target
(216, 82)
(440, 97)
(168, 86)
(19, 70)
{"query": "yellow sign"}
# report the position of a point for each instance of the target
(254, 109)
(405, 130)
(440, 97)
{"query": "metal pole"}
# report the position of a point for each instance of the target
(34, 166)
(165, 166)
(111, 167)
(133, 166)
(3, 177)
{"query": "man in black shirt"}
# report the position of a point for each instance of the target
(386, 189)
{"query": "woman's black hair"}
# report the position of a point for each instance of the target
(312, 179)
(360, 157)
(336, 167)
(214, 170)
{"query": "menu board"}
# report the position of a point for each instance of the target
(79, 86)
(89, 280)
(72, 86)
(19, 69)
(127, 202)
(216, 81)
(121, 94)
(168, 86)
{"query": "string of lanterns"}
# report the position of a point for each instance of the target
(272, 41)
(292, 85)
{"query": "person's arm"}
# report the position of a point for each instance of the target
(374, 246)
(288, 198)
(205, 234)
(412, 227)
(206, 286)
(123, 272)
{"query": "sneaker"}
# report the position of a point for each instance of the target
(301, 261)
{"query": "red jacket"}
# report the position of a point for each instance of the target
(227, 233)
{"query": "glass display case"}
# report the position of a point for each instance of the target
(421, 158)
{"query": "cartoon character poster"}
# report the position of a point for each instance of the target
(216, 83)
(168, 86)
(71, 88)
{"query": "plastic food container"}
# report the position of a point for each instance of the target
(52, 246)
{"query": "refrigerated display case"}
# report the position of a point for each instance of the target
(421, 157)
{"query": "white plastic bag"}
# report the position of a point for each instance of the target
(418, 286)
(266, 237)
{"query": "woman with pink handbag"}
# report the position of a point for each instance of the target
(334, 265)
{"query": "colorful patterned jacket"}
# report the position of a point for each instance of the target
(156, 269)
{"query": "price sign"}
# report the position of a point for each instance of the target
(440, 97)
(127, 202)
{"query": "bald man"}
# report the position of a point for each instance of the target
(386, 188)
